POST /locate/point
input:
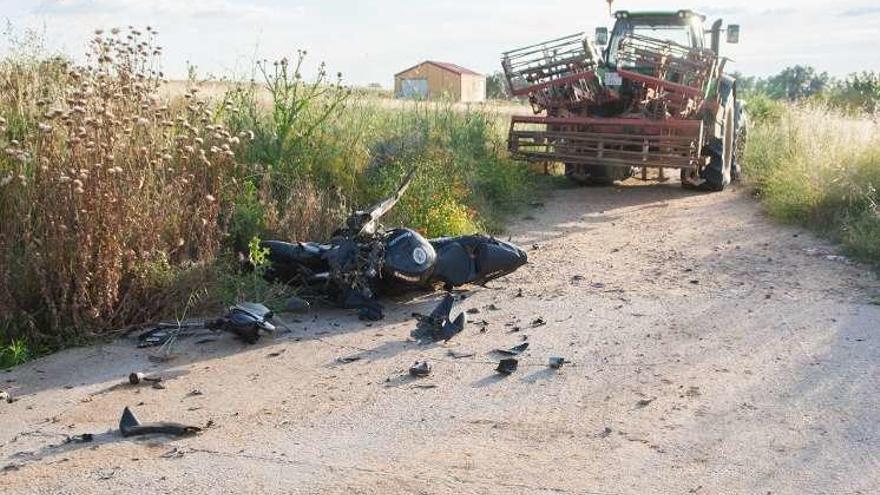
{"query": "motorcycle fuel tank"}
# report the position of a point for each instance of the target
(409, 257)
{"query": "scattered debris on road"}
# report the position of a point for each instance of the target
(507, 366)
(130, 426)
(83, 438)
(347, 359)
(644, 402)
(515, 350)
(556, 362)
(136, 378)
(438, 326)
(420, 369)
(245, 320)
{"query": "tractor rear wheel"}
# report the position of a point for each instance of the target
(717, 174)
(596, 175)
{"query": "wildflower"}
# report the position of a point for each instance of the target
(5, 180)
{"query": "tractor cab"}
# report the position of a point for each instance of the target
(682, 28)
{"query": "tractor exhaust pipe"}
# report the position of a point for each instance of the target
(716, 36)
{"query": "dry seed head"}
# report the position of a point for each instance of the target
(46, 128)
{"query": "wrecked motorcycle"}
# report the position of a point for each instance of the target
(363, 260)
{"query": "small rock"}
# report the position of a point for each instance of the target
(296, 305)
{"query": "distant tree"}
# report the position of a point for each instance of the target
(795, 83)
(860, 91)
(745, 84)
(496, 86)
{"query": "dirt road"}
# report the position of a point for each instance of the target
(712, 352)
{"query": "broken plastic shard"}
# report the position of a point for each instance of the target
(437, 326)
(507, 366)
(513, 351)
(129, 426)
(556, 362)
(420, 369)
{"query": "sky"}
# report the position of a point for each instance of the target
(368, 41)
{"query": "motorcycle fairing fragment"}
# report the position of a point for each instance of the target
(507, 366)
(129, 426)
(245, 320)
(513, 351)
(437, 326)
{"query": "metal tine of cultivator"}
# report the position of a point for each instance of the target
(553, 73)
(674, 75)
(623, 142)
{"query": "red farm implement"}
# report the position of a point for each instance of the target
(655, 97)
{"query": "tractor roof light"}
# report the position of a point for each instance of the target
(621, 14)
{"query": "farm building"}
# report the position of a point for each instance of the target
(432, 79)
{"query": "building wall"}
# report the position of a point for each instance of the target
(473, 88)
(441, 83)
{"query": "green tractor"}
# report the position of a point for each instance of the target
(652, 93)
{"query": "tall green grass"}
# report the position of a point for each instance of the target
(817, 166)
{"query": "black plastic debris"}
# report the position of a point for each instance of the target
(348, 359)
(163, 333)
(515, 350)
(437, 326)
(556, 362)
(538, 322)
(420, 369)
(507, 366)
(245, 320)
(130, 426)
(137, 378)
(84, 438)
